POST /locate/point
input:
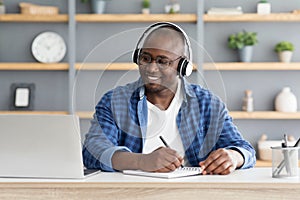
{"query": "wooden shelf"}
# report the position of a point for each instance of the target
(34, 66)
(85, 114)
(264, 115)
(106, 66)
(109, 66)
(234, 114)
(263, 163)
(136, 18)
(131, 66)
(33, 112)
(252, 17)
(251, 66)
(33, 18)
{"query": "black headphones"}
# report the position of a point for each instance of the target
(184, 67)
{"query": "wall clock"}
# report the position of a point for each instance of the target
(48, 47)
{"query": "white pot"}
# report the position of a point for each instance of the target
(245, 54)
(146, 11)
(263, 8)
(2, 9)
(285, 56)
(98, 6)
(175, 7)
(286, 101)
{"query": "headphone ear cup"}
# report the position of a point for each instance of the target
(184, 67)
(189, 68)
(135, 56)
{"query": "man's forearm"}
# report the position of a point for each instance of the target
(125, 160)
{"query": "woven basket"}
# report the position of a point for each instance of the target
(296, 12)
(32, 9)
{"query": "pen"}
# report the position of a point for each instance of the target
(166, 144)
(281, 165)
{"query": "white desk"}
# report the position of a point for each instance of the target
(254, 183)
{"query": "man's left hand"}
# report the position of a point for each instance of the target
(222, 161)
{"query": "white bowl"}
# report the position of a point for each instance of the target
(264, 148)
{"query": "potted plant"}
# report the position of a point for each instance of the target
(285, 51)
(263, 7)
(172, 7)
(243, 42)
(146, 6)
(2, 7)
(98, 6)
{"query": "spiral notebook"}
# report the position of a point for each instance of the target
(180, 172)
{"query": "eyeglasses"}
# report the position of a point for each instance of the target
(162, 62)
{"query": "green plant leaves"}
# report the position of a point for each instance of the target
(241, 39)
(284, 46)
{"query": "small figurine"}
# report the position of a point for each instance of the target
(248, 101)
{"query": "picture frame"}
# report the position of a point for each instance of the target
(22, 96)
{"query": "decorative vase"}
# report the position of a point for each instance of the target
(286, 101)
(285, 56)
(263, 8)
(2, 9)
(245, 54)
(98, 6)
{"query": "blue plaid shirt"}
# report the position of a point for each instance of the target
(120, 124)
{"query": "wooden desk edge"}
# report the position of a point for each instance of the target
(144, 185)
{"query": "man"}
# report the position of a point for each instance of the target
(129, 120)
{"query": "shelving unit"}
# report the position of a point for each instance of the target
(249, 68)
(197, 19)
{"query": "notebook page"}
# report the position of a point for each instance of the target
(180, 172)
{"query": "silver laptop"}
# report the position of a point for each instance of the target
(41, 146)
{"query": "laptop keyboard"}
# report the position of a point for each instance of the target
(89, 171)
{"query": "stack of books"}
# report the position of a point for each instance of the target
(225, 11)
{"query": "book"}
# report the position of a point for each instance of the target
(179, 172)
(225, 11)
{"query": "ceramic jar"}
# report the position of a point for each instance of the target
(286, 101)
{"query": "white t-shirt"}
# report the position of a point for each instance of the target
(163, 123)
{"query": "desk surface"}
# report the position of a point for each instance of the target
(249, 184)
(254, 175)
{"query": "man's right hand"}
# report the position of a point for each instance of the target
(161, 160)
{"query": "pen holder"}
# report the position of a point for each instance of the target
(285, 162)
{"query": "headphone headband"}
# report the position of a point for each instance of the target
(166, 24)
(184, 67)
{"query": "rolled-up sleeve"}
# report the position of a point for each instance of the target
(101, 141)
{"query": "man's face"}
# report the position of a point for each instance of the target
(159, 50)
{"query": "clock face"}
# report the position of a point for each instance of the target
(48, 47)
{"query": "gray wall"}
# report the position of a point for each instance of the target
(264, 84)
(113, 42)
